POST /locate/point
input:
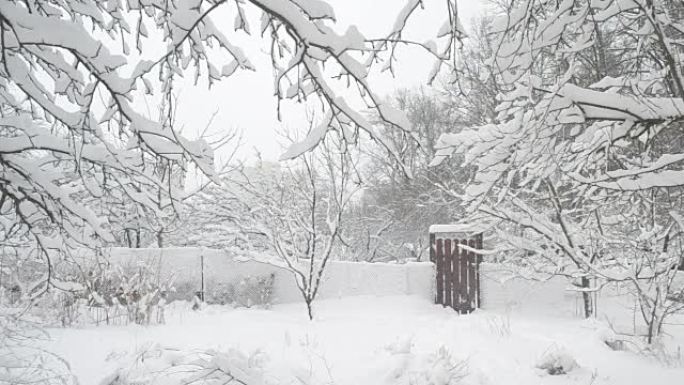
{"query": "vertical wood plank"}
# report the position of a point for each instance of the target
(463, 279)
(458, 292)
(433, 260)
(472, 280)
(439, 261)
(455, 257)
(448, 282)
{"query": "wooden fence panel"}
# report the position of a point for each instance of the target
(457, 271)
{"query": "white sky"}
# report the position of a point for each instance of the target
(245, 100)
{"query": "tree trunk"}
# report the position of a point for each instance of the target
(586, 298)
(651, 330)
(127, 238)
(160, 238)
(309, 309)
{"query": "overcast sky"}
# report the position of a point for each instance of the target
(245, 101)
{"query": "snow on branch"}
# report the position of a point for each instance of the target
(320, 57)
(583, 164)
(609, 106)
(73, 138)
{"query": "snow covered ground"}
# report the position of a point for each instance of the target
(369, 340)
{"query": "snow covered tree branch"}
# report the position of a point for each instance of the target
(583, 160)
(72, 71)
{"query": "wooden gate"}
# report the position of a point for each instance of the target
(458, 269)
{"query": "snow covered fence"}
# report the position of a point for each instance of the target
(340, 279)
(503, 291)
(499, 290)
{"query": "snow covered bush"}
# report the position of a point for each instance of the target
(155, 365)
(414, 368)
(107, 294)
(616, 344)
(245, 292)
(667, 355)
(59, 305)
(128, 293)
(661, 349)
(23, 362)
(556, 361)
(219, 293)
(61, 308)
(252, 291)
(500, 325)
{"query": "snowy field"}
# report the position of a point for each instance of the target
(366, 340)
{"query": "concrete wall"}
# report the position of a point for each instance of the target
(340, 278)
(502, 291)
(555, 297)
(499, 290)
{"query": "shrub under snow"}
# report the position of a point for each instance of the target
(557, 361)
(417, 368)
(248, 291)
(156, 365)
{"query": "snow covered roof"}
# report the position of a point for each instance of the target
(459, 228)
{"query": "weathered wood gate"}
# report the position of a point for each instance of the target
(458, 269)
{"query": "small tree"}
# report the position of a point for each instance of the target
(300, 215)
